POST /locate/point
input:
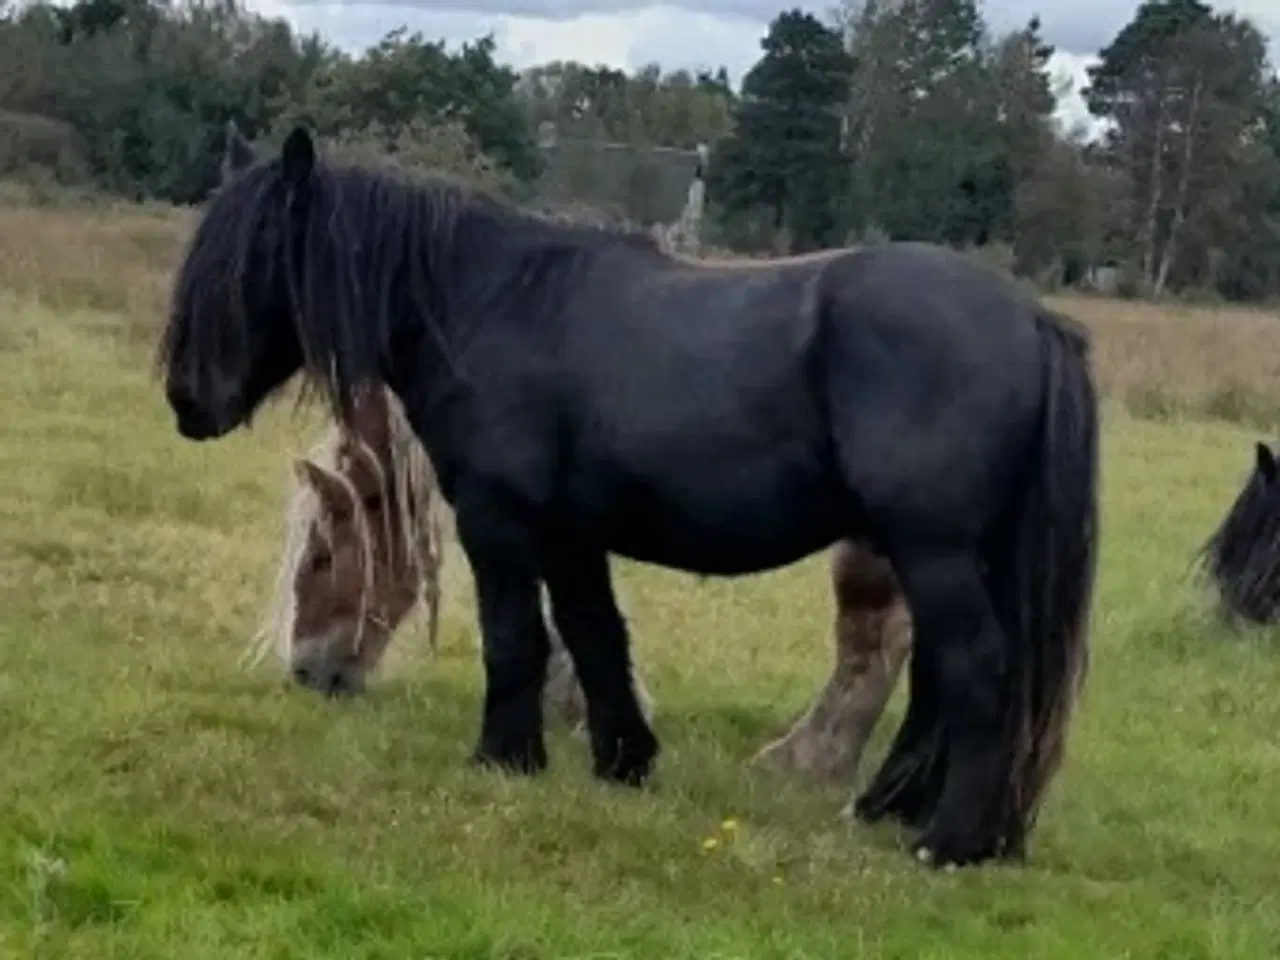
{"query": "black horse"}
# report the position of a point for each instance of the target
(581, 393)
(1242, 556)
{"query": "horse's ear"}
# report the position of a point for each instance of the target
(1266, 462)
(328, 486)
(297, 157)
(237, 154)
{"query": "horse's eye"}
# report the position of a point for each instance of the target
(320, 562)
(373, 502)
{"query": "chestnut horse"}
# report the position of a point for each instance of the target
(364, 550)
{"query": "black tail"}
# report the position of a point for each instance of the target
(1048, 576)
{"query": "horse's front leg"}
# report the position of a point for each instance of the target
(586, 615)
(503, 554)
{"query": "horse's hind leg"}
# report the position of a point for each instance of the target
(957, 632)
(910, 777)
(563, 694)
(586, 614)
(872, 638)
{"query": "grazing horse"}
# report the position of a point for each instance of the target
(364, 545)
(364, 542)
(580, 395)
(1242, 557)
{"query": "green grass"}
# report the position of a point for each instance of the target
(156, 801)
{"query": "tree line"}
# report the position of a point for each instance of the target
(910, 120)
(902, 119)
(133, 96)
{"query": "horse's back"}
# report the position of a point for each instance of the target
(732, 418)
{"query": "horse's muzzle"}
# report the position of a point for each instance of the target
(198, 421)
(330, 682)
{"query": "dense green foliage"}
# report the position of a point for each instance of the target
(134, 95)
(948, 134)
(785, 153)
(907, 120)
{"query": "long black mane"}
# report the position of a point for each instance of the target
(359, 246)
(1242, 556)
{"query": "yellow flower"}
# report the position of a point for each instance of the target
(710, 843)
(777, 881)
(729, 825)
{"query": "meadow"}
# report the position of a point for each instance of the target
(158, 800)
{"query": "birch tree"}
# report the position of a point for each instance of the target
(1182, 86)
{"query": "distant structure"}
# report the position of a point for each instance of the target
(685, 234)
(645, 185)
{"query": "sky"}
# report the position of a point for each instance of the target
(692, 34)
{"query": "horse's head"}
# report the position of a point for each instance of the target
(1243, 554)
(357, 576)
(369, 551)
(232, 337)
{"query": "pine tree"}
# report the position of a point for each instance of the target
(785, 154)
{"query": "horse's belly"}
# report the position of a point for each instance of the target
(720, 521)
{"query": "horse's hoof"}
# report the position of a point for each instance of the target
(929, 859)
(625, 760)
(868, 809)
(903, 800)
(943, 853)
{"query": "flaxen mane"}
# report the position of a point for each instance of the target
(422, 517)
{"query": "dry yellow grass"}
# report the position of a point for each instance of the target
(1181, 351)
(1160, 359)
(112, 259)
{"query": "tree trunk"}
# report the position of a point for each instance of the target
(1184, 180)
(1154, 196)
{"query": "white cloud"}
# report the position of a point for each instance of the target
(669, 35)
(1070, 68)
(673, 36)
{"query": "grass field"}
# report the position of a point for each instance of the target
(156, 801)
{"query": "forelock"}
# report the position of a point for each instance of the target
(207, 307)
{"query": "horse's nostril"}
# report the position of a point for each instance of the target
(302, 675)
(337, 685)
